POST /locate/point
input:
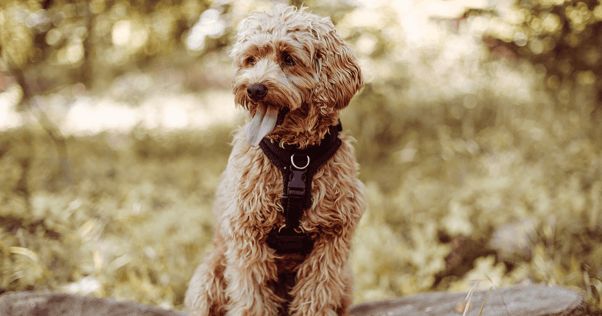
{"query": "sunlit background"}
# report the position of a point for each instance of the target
(478, 133)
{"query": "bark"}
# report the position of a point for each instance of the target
(58, 304)
(535, 300)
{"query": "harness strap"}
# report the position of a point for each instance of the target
(297, 167)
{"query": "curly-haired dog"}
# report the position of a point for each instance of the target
(282, 249)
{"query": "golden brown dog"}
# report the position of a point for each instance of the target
(293, 74)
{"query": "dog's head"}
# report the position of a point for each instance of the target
(290, 60)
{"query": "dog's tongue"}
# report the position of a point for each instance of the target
(262, 124)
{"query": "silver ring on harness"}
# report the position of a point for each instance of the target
(294, 165)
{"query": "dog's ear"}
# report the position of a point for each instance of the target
(338, 71)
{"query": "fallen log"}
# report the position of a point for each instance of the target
(514, 301)
(59, 304)
(535, 300)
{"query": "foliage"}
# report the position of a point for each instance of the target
(109, 222)
(469, 158)
(93, 41)
(476, 168)
(562, 38)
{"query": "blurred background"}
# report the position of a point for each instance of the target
(478, 133)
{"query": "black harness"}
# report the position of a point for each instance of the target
(298, 167)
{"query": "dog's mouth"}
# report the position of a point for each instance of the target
(262, 123)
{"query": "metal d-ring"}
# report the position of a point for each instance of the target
(294, 165)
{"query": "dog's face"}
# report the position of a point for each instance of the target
(289, 59)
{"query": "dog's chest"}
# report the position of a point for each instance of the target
(260, 188)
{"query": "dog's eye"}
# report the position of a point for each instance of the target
(288, 60)
(250, 61)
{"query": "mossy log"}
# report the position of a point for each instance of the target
(517, 300)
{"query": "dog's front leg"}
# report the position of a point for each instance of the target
(249, 270)
(324, 281)
(205, 295)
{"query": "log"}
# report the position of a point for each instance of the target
(59, 304)
(534, 300)
(517, 301)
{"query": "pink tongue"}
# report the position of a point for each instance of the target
(261, 124)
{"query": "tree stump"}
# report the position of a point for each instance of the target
(514, 301)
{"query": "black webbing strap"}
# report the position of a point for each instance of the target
(297, 167)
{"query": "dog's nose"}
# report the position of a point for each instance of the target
(257, 91)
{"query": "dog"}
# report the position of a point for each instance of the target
(283, 228)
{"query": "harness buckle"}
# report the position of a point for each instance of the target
(296, 183)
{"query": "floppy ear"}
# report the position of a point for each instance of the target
(339, 74)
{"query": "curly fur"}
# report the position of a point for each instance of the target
(243, 276)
